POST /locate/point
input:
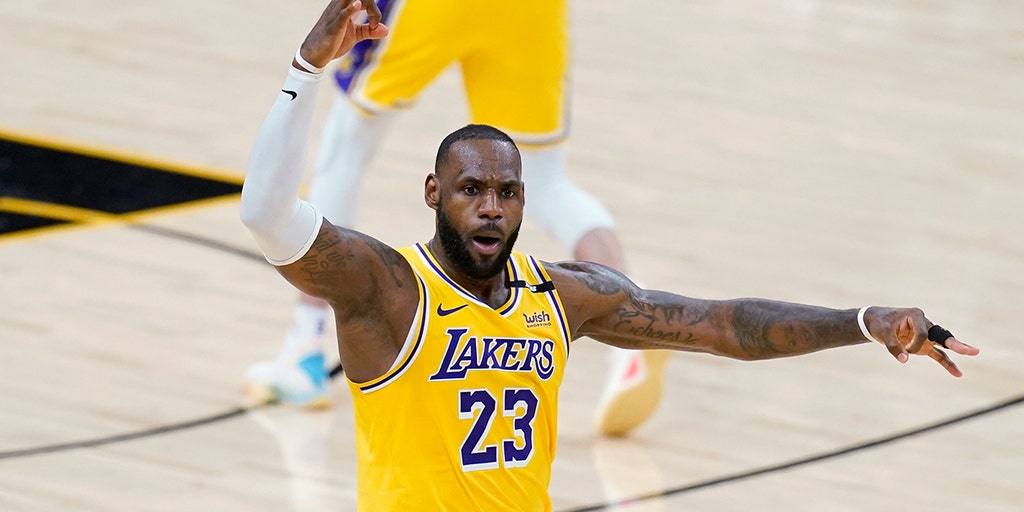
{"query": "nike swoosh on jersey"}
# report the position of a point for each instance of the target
(293, 94)
(445, 312)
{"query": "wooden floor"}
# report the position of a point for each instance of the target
(840, 153)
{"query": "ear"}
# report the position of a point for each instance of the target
(432, 192)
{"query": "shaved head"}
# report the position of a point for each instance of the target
(468, 132)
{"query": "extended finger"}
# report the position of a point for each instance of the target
(940, 357)
(961, 348)
(374, 12)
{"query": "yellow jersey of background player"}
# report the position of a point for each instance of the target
(515, 83)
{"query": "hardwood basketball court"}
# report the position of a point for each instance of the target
(834, 153)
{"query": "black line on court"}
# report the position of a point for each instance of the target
(197, 240)
(164, 429)
(100, 441)
(801, 462)
(213, 244)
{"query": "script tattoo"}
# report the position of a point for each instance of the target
(639, 323)
(332, 256)
(654, 316)
(327, 258)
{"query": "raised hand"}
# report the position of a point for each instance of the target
(335, 33)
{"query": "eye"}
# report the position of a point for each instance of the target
(508, 193)
(470, 190)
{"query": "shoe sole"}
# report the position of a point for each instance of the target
(634, 404)
(257, 395)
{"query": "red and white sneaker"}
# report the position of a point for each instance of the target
(633, 390)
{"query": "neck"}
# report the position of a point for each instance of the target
(493, 290)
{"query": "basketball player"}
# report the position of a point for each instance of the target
(454, 349)
(514, 83)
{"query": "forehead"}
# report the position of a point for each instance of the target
(483, 159)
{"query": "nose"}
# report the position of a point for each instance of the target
(490, 205)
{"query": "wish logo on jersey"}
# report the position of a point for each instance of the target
(466, 353)
(538, 319)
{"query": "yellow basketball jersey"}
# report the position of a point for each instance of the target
(466, 417)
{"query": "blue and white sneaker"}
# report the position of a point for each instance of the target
(299, 379)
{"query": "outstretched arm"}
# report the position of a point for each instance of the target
(605, 305)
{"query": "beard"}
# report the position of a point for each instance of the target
(455, 248)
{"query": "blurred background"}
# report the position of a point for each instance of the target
(829, 152)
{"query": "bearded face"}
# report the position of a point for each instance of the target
(456, 248)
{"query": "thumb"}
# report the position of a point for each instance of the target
(367, 32)
(896, 349)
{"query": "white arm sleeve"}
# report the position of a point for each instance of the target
(283, 225)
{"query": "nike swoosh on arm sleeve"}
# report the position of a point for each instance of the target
(283, 225)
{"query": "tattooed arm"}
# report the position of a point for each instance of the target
(351, 271)
(320, 259)
(603, 304)
(370, 287)
(284, 226)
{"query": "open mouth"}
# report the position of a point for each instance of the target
(486, 244)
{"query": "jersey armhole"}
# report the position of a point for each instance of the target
(413, 341)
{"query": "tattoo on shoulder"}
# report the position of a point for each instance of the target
(593, 279)
(390, 257)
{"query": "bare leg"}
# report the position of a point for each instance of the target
(601, 245)
(580, 221)
(634, 385)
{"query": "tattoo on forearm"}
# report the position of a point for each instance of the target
(662, 318)
(766, 331)
(638, 323)
(751, 326)
(690, 314)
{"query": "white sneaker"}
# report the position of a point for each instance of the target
(304, 442)
(296, 379)
(627, 471)
(633, 390)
